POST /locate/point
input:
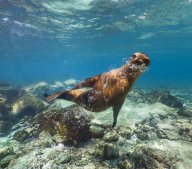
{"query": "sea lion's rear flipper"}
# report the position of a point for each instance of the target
(69, 95)
(58, 95)
(89, 82)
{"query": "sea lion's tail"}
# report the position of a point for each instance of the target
(54, 96)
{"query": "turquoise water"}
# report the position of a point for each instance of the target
(44, 40)
(50, 45)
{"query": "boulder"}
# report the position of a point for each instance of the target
(185, 130)
(125, 164)
(111, 136)
(26, 105)
(185, 112)
(145, 157)
(110, 151)
(126, 132)
(6, 155)
(5, 127)
(166, 98)
(168, 134)
(40, 88)
(9, 92)
(69, 125)
(5, 161)
(97, 131)
(21, 135)
(16, 103)
(6, 151)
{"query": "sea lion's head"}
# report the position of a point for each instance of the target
(139, 61)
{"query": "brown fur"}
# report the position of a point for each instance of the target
(106, 90)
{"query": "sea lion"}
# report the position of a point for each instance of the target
(108, 89)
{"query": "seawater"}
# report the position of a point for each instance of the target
(47, 41)
(48, 46)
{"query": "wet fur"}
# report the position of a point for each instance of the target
(108, 89)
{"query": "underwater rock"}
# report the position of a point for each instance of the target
(145, 157)
(2, 100)
(4, 108)
(44, 140)
(82, 163)
(185, 130)
(98, 123)
(57, 154)
(69, 125)
(154, 120)
(126, 132)
(70, 83)
(137, 95)
(185, 112)
(39, 89)
(5, 151)
(16, 103)
(8, 93)
(168, 134)
(5, 161)
(63, 159)
(125, 164)
(26, 105)
(21, 135)
(5, 127)
(6, 155)
(166, 98)
(142, 135)
(110, 151)
(143, 131)
(111, 136)
(97, 132)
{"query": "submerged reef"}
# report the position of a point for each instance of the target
(154, 131)
(40, 88)
(15, 104)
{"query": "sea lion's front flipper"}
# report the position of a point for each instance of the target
(116, 109)
(89, 82)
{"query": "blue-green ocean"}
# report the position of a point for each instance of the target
(44, 40)
(48, 46)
